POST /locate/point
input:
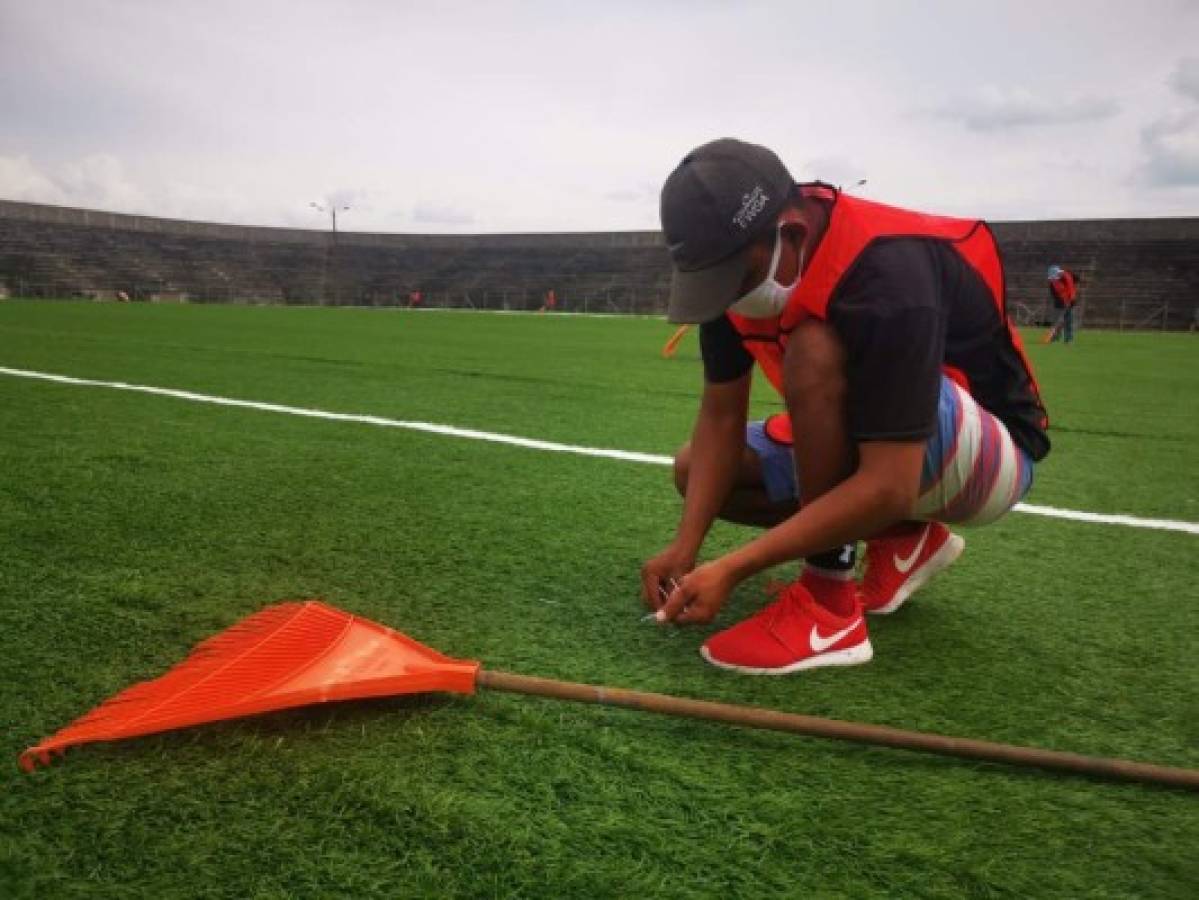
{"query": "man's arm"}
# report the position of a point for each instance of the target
(880, 493)
(882, 477)
(716, 448)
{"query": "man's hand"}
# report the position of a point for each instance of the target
(699, 596)
(659, 574)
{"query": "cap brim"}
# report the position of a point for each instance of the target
(704, 294)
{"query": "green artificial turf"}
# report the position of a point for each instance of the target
(134, 526)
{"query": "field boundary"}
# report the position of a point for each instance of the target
(529, 443)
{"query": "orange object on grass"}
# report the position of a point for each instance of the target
(291, 654)
(675, 339)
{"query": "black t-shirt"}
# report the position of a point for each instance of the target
(906, 307)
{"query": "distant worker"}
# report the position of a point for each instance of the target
(910, 403)
(1063, 292)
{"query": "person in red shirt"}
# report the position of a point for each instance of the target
(1063, 292)
(909, 403)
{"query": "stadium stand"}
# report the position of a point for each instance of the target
(1137, 273)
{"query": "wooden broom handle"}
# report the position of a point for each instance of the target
(753, 717)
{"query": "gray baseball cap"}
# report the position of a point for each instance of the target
(720, 198)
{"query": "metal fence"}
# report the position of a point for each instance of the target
(1125, 315)
(616, 298)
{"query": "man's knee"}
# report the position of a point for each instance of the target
(682, 468)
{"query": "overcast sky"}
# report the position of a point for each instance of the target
(501, 116)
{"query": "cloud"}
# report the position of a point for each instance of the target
(638, 194)
(21, 180)
(831, 169)
(96, 181)
(1170, 143)
(1185, 78)
(246, 112)
(1171, 146)
(352, 197)
(102, 181)
(999, 109)
(427, 214)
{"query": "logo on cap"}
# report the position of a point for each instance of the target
(751, 204)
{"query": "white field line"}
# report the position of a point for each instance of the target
(556, 314)
(421, 310)
(531, 443)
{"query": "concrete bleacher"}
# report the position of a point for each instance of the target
(1136, 272)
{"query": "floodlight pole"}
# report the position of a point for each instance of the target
(332, 210)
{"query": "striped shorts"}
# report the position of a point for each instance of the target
(973, 471)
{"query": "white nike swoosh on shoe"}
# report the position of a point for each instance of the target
(904, 564)
(820, 644)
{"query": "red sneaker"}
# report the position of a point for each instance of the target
(897, 567)
(790, 634)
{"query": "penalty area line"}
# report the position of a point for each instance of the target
(1073, 515)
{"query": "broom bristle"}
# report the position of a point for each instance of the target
(287, 655)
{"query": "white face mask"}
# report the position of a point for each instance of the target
(769, 298)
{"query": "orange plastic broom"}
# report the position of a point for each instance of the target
(296, 654)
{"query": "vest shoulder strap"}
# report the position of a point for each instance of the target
(853, 225)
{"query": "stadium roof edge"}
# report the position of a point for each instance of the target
(1158, 228)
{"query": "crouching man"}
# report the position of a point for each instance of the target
(909, 401)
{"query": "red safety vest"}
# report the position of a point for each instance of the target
(853, 225)
(1064, 287)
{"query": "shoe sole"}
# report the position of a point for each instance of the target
(938, 562)
(850, 656)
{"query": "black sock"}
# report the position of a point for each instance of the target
(837, 561)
